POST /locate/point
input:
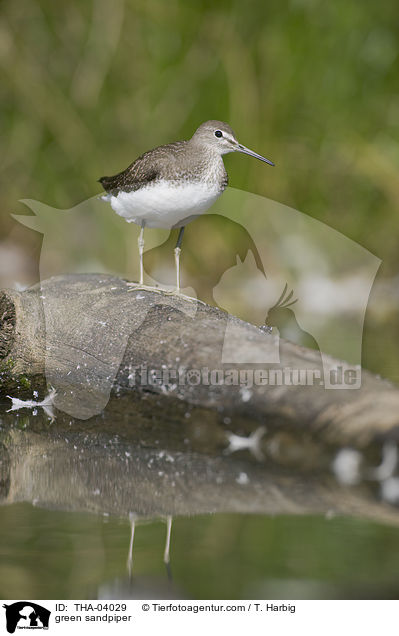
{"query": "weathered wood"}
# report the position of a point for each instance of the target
(87, 333)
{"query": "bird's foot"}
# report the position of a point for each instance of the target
(141, 286)
(178, 294)
(160, 290)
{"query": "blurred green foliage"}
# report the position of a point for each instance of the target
(86, 86)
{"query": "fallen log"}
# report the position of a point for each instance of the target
(86, 335)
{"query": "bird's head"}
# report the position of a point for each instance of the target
(220, 137)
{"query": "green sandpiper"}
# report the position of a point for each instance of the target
(171, 185)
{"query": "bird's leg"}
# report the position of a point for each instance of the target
(177, 292)
(177, 258)
(140, 284)
(177, 264)
(141, 252)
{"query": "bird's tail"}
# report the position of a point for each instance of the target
(105, 182)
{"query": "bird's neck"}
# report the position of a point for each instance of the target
(208, 164)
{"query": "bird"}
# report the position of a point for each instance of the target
(173, 184)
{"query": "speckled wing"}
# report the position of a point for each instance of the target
(137, 175)
(148, 167)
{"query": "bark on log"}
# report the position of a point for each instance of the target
(85, 334)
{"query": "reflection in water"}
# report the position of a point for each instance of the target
(147, 469)
(129, 564)
(46, 404)
(166, 554)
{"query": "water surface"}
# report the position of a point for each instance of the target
(242, 527)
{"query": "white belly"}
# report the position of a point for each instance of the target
(162, 205)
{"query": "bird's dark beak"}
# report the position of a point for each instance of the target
(251, 153)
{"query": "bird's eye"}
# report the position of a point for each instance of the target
(218, 133)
